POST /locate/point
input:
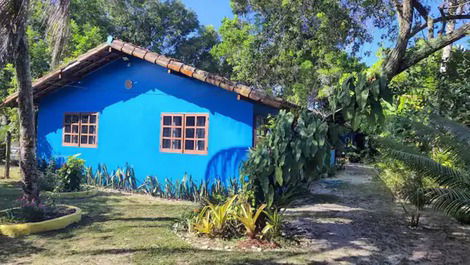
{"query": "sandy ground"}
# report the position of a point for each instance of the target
(352, 219)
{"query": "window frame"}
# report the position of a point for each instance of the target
(183, 137)
(79, 144)
(162, 126)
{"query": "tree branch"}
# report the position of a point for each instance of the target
(425, 14)
(398, 7)
(421, 9)
(444, 21)
(416, 30)
(412, 58)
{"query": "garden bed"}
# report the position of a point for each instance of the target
(237, 244)
(63, 216)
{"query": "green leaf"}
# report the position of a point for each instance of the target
(278, 174)
(362, 102)
(270, 196)
(386, 94)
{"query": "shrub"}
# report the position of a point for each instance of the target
(71, 174)
(29, 212)
(294, 152)
(48, 179)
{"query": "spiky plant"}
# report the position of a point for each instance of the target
(451, 194)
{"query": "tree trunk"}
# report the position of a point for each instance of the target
(7, 154)
(450, 27)
(396, 55)
(28, 163)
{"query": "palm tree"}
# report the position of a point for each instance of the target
(451, 194)
(14, 48)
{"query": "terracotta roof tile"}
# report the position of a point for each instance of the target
(187, 70)
(151, 57)
(175, 65)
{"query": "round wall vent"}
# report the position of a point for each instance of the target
(128, 84)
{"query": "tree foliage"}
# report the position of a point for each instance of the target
(359, 100)
(294, 48)
(423, 88)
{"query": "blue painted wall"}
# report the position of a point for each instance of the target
(129, 121)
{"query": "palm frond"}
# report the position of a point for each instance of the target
(389, 143)
(460, 151)
(58, 28)
(459, 131)
(453, 202)
(13, 17)
(444, 176)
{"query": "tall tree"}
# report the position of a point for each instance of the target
(166, 27)
(291, 46)
(157, 25)
(195, 50)
(14, 47)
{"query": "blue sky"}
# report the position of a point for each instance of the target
(210, 12)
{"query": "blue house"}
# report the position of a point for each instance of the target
(120, 104)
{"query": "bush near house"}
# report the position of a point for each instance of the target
(294, 152)
(67, 178)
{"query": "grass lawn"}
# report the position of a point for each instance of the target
(117, 229)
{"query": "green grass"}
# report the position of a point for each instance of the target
(117, 229)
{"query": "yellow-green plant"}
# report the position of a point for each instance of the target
(202, 223)
(249, 218)
(220, 213)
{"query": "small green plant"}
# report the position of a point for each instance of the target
(273, 226)
(249, 218)
(71, 174)
(235, 218)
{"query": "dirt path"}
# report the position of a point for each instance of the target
(352, 219)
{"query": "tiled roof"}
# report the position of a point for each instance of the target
(105, 53)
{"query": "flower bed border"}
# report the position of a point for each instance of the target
(73, 195)
(15, 230)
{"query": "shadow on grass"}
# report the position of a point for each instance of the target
(189, 255)
(146, 219)
(16, 248)
(10, 192)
